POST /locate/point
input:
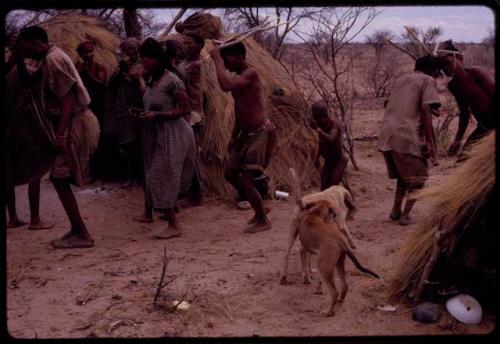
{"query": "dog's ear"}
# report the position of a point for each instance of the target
(351, 206)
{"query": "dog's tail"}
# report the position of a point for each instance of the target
(296, 189)
(351, 255)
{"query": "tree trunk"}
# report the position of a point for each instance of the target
(131, 21)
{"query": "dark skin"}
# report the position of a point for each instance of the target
(181, 110)
(131, 56)
(34, 202)
(474, 91)
(33, 194)
(330, 147)
(95, 71)
(246, 89)
(78, 236)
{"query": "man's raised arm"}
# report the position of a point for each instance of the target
(229, 82)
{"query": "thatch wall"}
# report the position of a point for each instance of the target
(462, 206)
(67, 31)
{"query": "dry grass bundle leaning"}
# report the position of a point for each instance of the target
(296, 141)
(457, 203)
(67, 31)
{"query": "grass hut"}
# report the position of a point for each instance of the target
(455, 247)
(67, 31)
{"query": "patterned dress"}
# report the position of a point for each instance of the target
(168, 145)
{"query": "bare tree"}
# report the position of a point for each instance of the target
(490, 39)
(382, 73)
(131, 21)
(273, 41)
(332, 54)
(246, 18)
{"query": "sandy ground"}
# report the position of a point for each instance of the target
(230, 279)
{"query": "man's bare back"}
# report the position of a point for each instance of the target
(476, 91)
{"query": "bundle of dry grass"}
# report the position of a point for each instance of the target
(67, 31)
(296, 141)
(457, 207)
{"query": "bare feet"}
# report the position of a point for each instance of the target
(72, 241)
(395, 214)
(405, 220)
(258, 227)
(167, 233)
(39, 224)
(144, 218)
(15, 223)
(267, 210)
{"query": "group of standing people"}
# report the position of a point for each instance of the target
(406, 137)
(152, 105)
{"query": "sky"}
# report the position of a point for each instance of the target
(460, 23)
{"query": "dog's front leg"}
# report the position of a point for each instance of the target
(343, 228)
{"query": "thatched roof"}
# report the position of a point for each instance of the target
(460, 204)
(297, 143)
(67, 31)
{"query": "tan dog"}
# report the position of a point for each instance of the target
(327, 241)
(342, 208)
(341, 202)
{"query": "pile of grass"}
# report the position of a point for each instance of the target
(67, 31)
(297, 143)
(457, 205)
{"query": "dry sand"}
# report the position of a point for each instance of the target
(230, 279)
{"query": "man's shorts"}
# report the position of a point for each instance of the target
(252, 151)
(411, 169)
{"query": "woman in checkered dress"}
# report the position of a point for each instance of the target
(168, 140)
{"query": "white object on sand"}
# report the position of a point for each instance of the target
(182, 305)
(387, 308)
(281, 194)
(465, 309)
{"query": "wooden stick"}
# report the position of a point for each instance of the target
(415, 37)
(163, 271)
(428, 267)
(175, 20)
(400, 48)
(248, 34)
(253, 29)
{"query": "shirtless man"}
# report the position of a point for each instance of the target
(253, 136)
(474, 91)
(76, 128)
(330, 146)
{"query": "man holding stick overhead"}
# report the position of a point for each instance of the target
(253, 136)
